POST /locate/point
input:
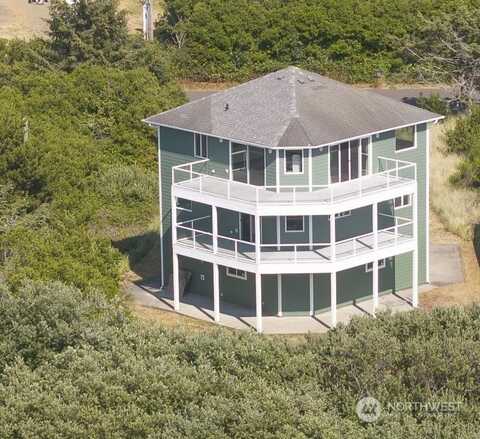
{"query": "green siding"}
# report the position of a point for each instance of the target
(320, 166)
(295, 294)
(384, 145)
(271, 168)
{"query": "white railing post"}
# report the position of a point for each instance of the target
(295, 253)
(174, 219)
(236, 248)
(215, 229)
(257, 239)
(375, 226)
(194, 238)
(333, 250)
(415, 252)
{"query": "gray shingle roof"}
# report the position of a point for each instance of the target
(292, 107)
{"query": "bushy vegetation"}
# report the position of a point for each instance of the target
(350, 40)
(78, 165)
(464, 139)
(79, 367)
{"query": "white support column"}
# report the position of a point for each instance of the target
(279, 292)
(311, 293)
(277, 169)
(375, 261)
(216, 294)
(427, 207)
(176, 272)
(258, 301)
(257, 239)
(333, 297)
(415, 252)
(333, 238)
(160, 194)
(215, 228)
(176, 281)
(310, 169)
(375, 284)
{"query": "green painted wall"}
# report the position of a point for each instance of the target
(320, 166)
(384, 145)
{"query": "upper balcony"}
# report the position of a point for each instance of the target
(193, 181)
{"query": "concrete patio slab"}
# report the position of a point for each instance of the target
(445, 264)
(237, 317)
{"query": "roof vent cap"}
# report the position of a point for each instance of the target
(226, 107)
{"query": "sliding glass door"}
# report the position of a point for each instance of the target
(348, 160)
(248, 164)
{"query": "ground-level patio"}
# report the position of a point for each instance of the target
(237, 317)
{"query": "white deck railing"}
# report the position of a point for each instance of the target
(237, 249)
(195, 176)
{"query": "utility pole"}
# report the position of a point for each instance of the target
(147, 20)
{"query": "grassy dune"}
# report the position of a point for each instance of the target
(458, 208)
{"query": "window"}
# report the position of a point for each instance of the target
(343, 214)
(294, 161)
(185, 205)
(404, 201)
(294, 224)
(239, 158)
(201, 146)
(382, 263)
(239, 274)
(405, 138)
(365, 164)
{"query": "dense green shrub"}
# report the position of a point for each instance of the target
(355, 41)
(77, 167)
(434, 103)
(464, 139)
(77, 367)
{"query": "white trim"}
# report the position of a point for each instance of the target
(277, 169)
(285, 163)
(310, 231)
(370, 156)
(347, 139)
(382, 263)
(329, 180)
(258, 302)
(233, 272)
(160, 194)
(310, 167)
(398, 151)
(427, 202)
(202, 136)
(402, 205)
(230, 172)
(295, 231)
(279, 233)
(343, 214)
(185, 209)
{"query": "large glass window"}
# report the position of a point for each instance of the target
(294, 224)
(294, 161)
(405, 138)
(201, 146)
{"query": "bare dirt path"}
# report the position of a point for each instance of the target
(20, 19)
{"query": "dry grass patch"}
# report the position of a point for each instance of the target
(458, 208)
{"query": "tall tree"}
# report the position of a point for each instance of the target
(87, 30)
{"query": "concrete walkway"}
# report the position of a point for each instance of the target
(237, 317)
